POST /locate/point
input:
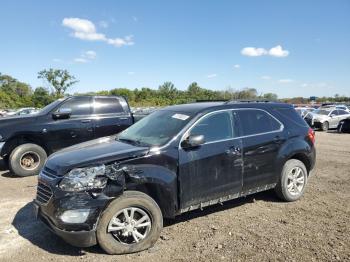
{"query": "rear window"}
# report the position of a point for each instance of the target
(107, 105)
(255, 121)
(292, 115)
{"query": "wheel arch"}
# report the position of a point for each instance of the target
(21, 139)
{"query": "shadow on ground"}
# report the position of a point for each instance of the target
(39, 235)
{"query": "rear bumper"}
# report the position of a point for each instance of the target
(75, 238)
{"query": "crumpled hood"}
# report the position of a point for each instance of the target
(93, 152)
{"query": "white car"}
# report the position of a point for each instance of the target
(23, 111)
(325, 119)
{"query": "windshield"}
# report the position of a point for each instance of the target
(50, 106)
(155, 129)
(322, 112)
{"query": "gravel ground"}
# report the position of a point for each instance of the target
(255, 228)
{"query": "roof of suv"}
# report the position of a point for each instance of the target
(209, 106)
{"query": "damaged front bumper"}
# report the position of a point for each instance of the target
(75, 238)
(52, 206)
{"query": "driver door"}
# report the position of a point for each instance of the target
(77, 128)
(213, 169)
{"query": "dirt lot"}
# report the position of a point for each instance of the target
(256, 228)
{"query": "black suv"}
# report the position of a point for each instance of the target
(115, 191)
(25, 141)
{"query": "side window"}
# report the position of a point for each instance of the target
(342, 112)
(78, 105)
(257, 122)
(214, 127)
(334, 112)
(107, 105)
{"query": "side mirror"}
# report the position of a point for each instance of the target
(193, 141)
(332, 115)
(62, 113)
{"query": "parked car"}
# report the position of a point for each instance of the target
(115, 191)
(303, 111)
(26, 141)
(23, 111)
(344, 126)
(335, 106)
(325, 119)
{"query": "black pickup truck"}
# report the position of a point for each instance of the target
(26, 141)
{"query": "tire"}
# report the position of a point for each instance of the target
(325, 126)
(27, 160)
(137, 201)
(283, 189)
(339, 128)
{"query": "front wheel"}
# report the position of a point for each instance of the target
(293, 180)
(131, 223)
(27, 159)
(325, 126)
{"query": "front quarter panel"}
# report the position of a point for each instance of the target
(155, 175)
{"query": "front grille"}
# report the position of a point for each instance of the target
(43, 194)
(49, 173)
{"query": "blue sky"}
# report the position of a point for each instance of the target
(292, 48)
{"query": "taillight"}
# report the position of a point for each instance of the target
(311, 135)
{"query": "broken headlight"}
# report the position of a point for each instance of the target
(80, 179)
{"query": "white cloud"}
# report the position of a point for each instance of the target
(80, 60)
(131, 73)
(135, 19)
(79, 25)
(90, 54)
(118, 42)
(86, 57)
(103, 24)
(253, 51)
(266, 77)
(304, 85)
(212, 75)
(237, 66)
(285, 81)
(86, 30)
(278, 51)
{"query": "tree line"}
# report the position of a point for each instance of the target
(15, 94)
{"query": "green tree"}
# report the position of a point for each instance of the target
(41, 97)
(270, 96)
(58, 79)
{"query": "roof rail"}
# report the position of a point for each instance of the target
(249, 101)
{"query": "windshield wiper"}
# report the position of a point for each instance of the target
(131, 141)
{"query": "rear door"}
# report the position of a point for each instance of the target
(334, 119)
(262, 136)
(214, 169)
(111, 116)
(77, 128)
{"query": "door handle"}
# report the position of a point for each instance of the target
(86, 121)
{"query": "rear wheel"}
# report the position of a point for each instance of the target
(27, 160)
(131, 223)
(325, 126)
(293, 180)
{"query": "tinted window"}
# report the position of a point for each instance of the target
(107, 105)
(78, 105)
(256, 122)
(334, 112)
(214, 127)
(291, 115)
(342, 112)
